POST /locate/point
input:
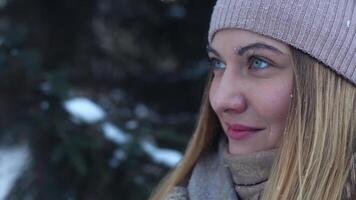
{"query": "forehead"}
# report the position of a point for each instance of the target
(237, 38)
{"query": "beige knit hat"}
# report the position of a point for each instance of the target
(325, 29)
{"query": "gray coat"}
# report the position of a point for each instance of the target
(178, 193)
(210, 180)
(216, 173)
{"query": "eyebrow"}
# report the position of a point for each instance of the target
(258, 45)
(242, 50)
(210, 49)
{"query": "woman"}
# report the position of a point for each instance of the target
(278, 117)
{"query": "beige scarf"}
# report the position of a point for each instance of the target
(250, 172)
(221, 175)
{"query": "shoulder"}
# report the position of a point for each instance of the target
(178, 193)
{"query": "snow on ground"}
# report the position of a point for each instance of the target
(12, 163)
(84, 110)
(15, 159)
(114, 134)
(165, 156)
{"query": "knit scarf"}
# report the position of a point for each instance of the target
(220, 175)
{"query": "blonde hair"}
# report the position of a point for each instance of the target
(315, 160)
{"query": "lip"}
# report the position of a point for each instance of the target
(239, 132)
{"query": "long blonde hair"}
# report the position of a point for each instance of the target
(315, 160)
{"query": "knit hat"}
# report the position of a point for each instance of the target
(324, 29)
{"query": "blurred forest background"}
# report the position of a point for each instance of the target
(98, 97)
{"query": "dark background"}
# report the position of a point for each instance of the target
(124, 55)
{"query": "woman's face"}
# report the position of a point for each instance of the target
(251, 88)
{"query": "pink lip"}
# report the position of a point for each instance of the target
(239, 132)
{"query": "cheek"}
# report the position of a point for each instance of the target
(212, 92)
(274, 104)
(278, 103)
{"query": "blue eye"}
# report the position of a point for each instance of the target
(258, 63)
(216, 64)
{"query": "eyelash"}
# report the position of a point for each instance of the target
(213, 61)
(256, 58)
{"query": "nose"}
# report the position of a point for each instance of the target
(228, 95)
